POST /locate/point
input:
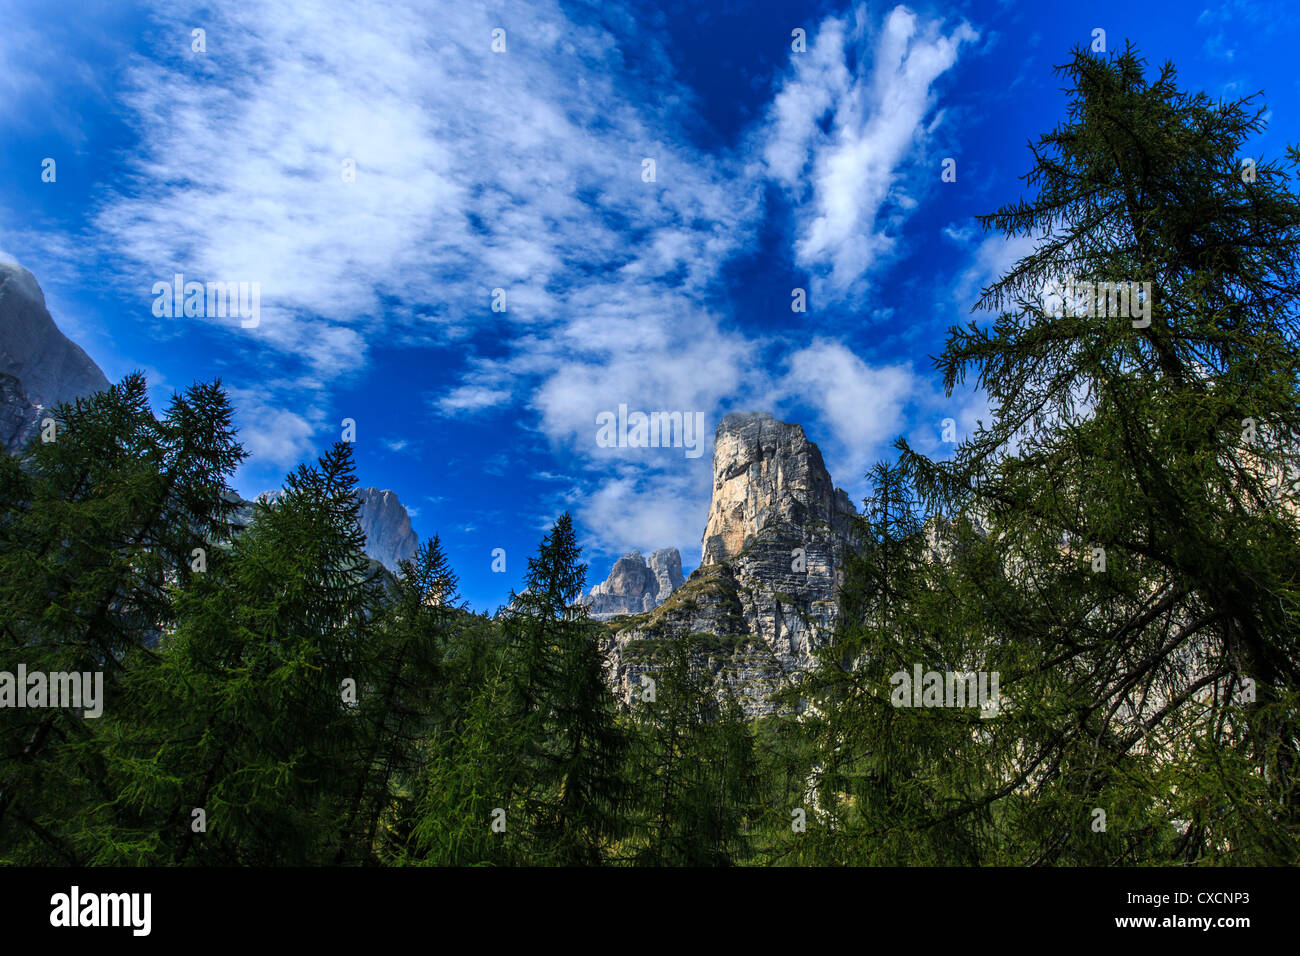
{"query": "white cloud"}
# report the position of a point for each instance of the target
(474, 171)
(520, 171)
(847, 177)
(275, 438)
(862, 406)
(472, 398)
(630, 513)
(960, 235)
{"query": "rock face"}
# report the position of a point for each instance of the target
(389, 536)
(666, 563)
(19, 418)
(383, 519)
(39, 365)
(635, 585)
(766, 472)
(764, 596)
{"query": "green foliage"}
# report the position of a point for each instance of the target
(539, 748)
(569, 786)
(245, 714)
(695, 771)
(1121, 685)
(97, 528)
(1118, 544)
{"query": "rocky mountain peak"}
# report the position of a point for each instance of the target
(39, 365)
(764, 471)
(635, 585)
(666, 564)
(387, 526)
(766, 592)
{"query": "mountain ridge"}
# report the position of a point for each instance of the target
(765, 593)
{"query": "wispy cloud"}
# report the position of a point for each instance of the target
(645, 513)
(862, 407)
(520, 171)
(273, 436)
(843, 132)
(991, 258)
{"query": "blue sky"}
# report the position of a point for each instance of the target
(523, 170)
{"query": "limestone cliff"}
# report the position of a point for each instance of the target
(764, 595)
(666, 563)
(766, 472)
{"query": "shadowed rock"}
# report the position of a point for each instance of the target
(39, 365)
(387, 526)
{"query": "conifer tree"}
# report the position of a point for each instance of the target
(693, 765)
(568, 781)
(529, 770)
(98, 525)
(413, 628)
(1135, 579)
(253, 714)
(462, 810)
(875, 773)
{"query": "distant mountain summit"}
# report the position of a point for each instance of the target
(635, 584)
(766, 592)
(383, 519)
(39, 365)
(387, 526)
